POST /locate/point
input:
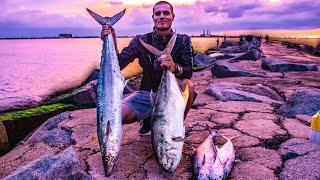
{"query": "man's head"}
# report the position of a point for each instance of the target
(162, 15)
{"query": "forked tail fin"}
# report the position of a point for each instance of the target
(106, 20)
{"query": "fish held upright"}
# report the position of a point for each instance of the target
(168, 132)
(109, 96)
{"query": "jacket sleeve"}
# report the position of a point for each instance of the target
(129, 53)
(186, 59)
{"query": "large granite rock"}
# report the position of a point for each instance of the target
(253, 54)
(304, 101)
(226, 91)
(65, 165)
(228, 43)
(284, 66)
(302, 167)
(296, 129)
(202, 61)
(297, 147)
(225, 69)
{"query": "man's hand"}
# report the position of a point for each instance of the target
(166, 61)
(106, 30)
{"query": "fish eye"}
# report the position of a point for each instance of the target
(107, 158)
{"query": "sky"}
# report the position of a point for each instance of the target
(43, 18)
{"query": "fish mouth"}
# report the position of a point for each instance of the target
(108, 164)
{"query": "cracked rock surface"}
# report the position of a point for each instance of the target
(268, 145)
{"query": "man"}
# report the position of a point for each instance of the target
(138, 106)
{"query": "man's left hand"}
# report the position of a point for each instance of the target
(166, 61)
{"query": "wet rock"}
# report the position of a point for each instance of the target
(4, 143)
(251, 171)
(226, 91)
(202, 61)
(260, 128)
(224, 69)
(296, 129)
(284, 66)
(65, 165)
(297, 147)
(302, 102)
(259, 155)
(302, 167)
(49, 133)
(86, 95)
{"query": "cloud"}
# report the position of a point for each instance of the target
(38, 16)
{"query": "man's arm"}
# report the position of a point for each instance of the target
(185, 71)
(128, 54)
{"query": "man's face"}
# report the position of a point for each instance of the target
(162, 17)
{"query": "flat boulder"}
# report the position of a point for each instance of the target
(224, 69)
(285, 66)
(253, 54)
(201, 61)
(302, 102)
(65, 165)
(226, 91)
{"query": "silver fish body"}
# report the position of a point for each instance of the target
(168, 132)
(167, 116)
(212, 162)
(109, 96)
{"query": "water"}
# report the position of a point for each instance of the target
(31, 70)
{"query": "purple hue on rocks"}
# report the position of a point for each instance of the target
(224, 69)
(65, 165)
(284, 66)
(304, 101)
(226, 91)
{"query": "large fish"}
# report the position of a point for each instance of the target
(212, 161)
(167, 130)
(109, 95)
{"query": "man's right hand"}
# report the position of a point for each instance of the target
(106, 30)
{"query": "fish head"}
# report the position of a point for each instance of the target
(110, 158)
(169, 153)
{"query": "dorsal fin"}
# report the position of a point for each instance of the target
(170, 44)
(152, 49)
(106, 20)
(156, 51)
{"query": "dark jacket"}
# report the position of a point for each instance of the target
(182, 54)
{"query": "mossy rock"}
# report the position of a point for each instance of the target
(4, 143)
(19, 124)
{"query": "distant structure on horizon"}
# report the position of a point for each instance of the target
(206, 33)
(65, 35)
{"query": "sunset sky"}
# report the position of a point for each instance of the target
(38, 18)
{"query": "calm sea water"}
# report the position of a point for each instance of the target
(31, 70)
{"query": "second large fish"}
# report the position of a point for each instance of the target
(109, 96)
(212, 161)
(167, 131)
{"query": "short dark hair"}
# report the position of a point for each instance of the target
(163, 2)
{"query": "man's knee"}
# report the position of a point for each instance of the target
(187, 82)
(127, 114)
